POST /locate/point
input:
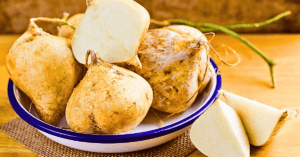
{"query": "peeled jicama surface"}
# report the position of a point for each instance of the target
(112, 28)
(261, 122)
(219, 132)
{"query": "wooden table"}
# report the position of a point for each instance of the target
(250, 79)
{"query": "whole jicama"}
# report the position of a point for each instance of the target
(108, 100)
(176, 64)
(44, 68)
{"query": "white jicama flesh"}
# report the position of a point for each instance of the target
(112, 28)
(261, 122)
(219, 132)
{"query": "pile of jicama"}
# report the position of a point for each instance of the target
(107, 73)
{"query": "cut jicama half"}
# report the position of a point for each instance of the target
(113, 29)
(220, 132)
(261, 122)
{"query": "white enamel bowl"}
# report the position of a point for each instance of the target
(148, 134)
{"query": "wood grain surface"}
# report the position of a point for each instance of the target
(15, 14)
(250, 79)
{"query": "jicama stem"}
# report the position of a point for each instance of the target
(251, 25)
(65, 16)
(236, 26)
(205, 27)
(53, 20)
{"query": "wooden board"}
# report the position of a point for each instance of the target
(250, 79)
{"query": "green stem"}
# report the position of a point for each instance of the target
(253, 25)
(65, 16)
(64, 20)
(65, 23)
(53, 20)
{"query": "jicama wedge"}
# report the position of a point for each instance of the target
(220, 132)
(261, 122)
(112, 28)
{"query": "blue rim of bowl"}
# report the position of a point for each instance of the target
(123, 138)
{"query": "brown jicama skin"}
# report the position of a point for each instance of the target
(68, 32)
(108, 100)
(175, 63)
(43, 67)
